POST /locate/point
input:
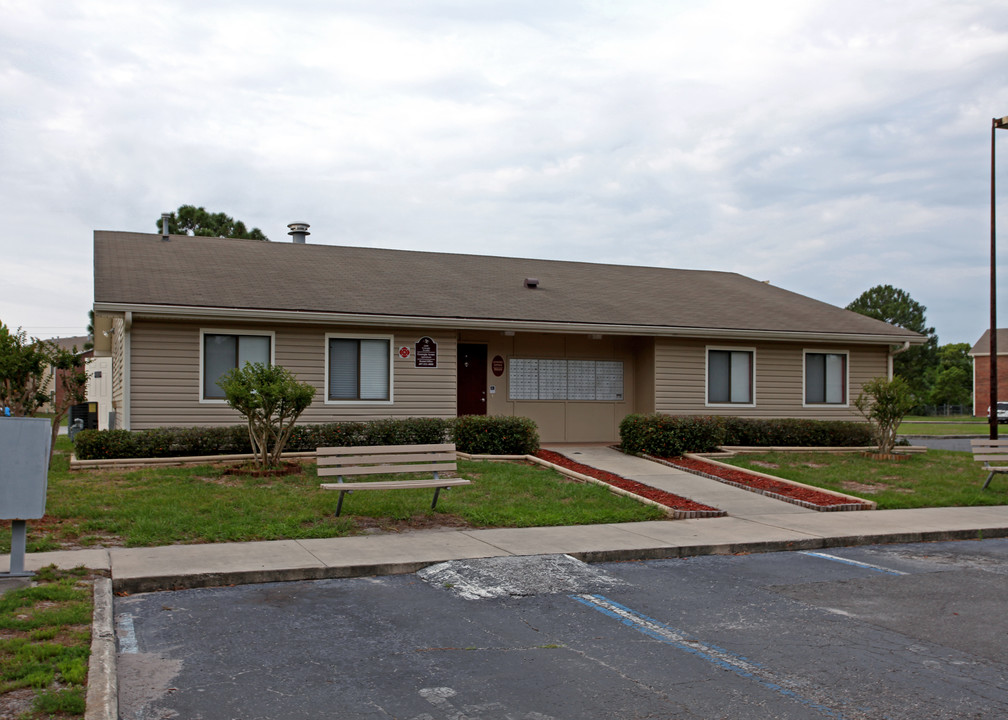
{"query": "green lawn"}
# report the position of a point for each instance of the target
(162, 506)
(942, 425)
(937, 478)
(45, 643)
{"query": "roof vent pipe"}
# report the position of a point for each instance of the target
(299, 231)
(532, 283)
(165, 222)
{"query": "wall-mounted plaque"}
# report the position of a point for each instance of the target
(497, 365)
(425, 353)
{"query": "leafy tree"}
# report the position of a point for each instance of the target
(951, 381)
(271, 399)
(884, 403)
(89, 344)
(23, 368)
(895, 306)
(192, 220)
(30, 373)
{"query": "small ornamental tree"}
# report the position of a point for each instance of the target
(23, 367)
(271, 399)
(31, 371)
(884, 403)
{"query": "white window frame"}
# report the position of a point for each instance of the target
(752, 376)
(359, 336)
(228, 331)
(804, 386)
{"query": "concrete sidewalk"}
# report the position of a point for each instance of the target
(754, 524)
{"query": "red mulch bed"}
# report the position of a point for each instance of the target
(772, 488)
(683, 506)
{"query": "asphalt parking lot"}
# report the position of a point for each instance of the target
(893, 631)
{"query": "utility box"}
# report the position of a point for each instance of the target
(24, 469)
(87, 412)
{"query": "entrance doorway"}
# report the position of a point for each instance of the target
(472, 379)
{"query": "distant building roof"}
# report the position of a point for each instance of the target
(69, 343)
(197, 275)
(982, 346)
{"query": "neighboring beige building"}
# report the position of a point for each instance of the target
(391, 333)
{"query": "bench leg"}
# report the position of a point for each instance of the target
(436, 492)
(339, 505)
(988, 480)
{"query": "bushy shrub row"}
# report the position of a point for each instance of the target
(161, 442)
(476, 434)
(796, 432)
(485, 435)
(403, 431)
(670, 436)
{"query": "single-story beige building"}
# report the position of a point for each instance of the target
(389, 333)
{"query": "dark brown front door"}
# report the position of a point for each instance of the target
(472, 379)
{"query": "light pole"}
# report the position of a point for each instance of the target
(996, 123)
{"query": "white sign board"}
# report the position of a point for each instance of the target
(24, 470)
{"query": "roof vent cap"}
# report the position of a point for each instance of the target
(532, 283)
(298, 231)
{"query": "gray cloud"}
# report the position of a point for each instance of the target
(825, 147)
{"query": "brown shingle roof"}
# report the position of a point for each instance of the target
(137, 269)
(982, 346)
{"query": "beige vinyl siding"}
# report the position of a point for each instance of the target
(680, 378)
(166, 375)
(118, 369)
(561, 420)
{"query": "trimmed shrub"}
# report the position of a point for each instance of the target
(671, 436)
(234, 439)
(495, 435)
(796, 432)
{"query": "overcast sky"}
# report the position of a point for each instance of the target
(824, 146)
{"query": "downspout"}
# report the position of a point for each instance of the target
(127, 363)
(894, 353)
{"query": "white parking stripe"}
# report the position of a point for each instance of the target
(711, 653)
(846, 561)
(126, 634)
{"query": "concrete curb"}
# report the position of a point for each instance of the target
(657, 552)
(160, 583)
(102, 686)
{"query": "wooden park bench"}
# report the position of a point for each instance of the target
(388, 460)
(990, 451)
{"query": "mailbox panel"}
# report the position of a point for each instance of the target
(24, 467)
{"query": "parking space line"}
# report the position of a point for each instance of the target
(856, 563)
(126, 634)
(711, 653)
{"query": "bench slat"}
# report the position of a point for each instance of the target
(332, 460)
(387, 469)
(388, 460)
(384, 449)
(396, 484)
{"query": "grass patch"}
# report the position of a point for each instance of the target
(200, 504)
(943, 425)
(937, 478)
(45, 644)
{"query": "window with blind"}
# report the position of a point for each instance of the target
(825, 378)
(226, 351)
(730, 377)
(359, 369)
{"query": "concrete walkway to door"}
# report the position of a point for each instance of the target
(736, 502)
